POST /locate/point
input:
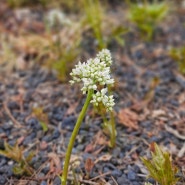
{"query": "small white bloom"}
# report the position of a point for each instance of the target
(93, 73)
(104, 91)
(94, 87)
(100, 96)
(105, 56)
(71, 81)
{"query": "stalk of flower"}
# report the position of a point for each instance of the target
(93, 74)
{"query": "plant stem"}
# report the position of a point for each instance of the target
(113, 130)
(112, 123)
(73, 137)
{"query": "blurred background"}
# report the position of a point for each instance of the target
(54, 35)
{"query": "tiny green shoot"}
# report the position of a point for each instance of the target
(16, 153)
(160, 167)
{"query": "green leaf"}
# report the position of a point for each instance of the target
(44, 126)
(117, 34)
(12, 152)
(18, 170)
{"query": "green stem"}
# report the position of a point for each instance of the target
(113, 130)
(112, 122)
(73, 137)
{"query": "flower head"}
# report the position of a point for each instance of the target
(95, 72)
(100, 96)
(105, 56)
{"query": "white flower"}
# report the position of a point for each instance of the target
(105, 56)
(95, 72)
(100, 96)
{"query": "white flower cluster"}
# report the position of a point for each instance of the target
(101, 96)
(93, 73)
(105, 56)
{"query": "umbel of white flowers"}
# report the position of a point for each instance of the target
(96, 72)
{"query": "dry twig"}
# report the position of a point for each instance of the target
(16, 123)
(174, 132)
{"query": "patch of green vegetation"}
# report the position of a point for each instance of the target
(104, 29)
(178, 54)
(160, 167)
(94, 18)
(16, 153)
(147, 16)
